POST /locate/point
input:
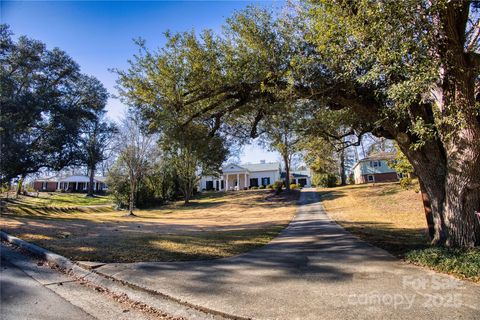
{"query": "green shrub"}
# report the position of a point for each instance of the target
(254, 188)
(327, 180)
(351, 179)
(277, 186)
(262, 187)
(270, 186)
(405, 183)
(462, 262)
(294, 186)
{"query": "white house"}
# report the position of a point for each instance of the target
(243, 176)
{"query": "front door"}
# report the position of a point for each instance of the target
(209, 185)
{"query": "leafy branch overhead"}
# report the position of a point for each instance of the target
(403, 70)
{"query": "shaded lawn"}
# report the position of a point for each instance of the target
(393, 219)
(383, 214)
(215, 225)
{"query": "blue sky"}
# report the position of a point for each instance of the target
(98, 34)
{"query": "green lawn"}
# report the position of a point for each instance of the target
(56, 199)
(54, 203)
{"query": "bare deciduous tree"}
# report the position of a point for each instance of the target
(134, 148)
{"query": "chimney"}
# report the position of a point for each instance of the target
(262, 161)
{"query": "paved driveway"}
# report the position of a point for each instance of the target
(313, 270)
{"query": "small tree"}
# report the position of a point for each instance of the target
(193, 152)
(134, 148)
(96, 138)
(281, 136)
(401, 164)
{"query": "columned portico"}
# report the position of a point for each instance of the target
(236, 181)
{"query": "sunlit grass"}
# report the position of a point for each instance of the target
(214, 225)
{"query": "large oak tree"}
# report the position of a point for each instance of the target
(404, 70)
(44, 101)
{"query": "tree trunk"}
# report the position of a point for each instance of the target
(20, 185)
(343, 177)
(90, 185)
(452, 183)
(428, 210)
(131, 205)
(449, 164)
(287, 171)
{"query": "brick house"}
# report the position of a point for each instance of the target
(71, 183)
(375, 169)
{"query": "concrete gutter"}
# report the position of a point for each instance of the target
(81, 271)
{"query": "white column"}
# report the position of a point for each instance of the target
(238, 181)
(76, 186)
(226, 183)
(58, 185)
(245, 180)
(94, 186)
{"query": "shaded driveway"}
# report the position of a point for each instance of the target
(313, 270)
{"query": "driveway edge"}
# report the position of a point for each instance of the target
(162, 302)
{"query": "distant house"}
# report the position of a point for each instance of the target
(301, 177)
(244, 176)
(71, 183)
(375, 169)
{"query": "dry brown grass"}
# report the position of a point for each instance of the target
(382, 214)
(215, 225)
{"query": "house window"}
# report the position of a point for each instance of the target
(253, 182)
(370, 178)
(375, 163)
(265, 181)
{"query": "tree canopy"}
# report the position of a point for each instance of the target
(405, 70)
(44, 100)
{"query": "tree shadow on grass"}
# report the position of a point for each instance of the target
(397, 241)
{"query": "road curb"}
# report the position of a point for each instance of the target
(158, 300)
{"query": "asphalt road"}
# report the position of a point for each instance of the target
(31, 290)
(23, 297)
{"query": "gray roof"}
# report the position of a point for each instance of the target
(380, 156)
(298, 174)
(271, 166)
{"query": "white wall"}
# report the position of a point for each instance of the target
(273, 175)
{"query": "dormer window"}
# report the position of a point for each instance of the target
(375, 164)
